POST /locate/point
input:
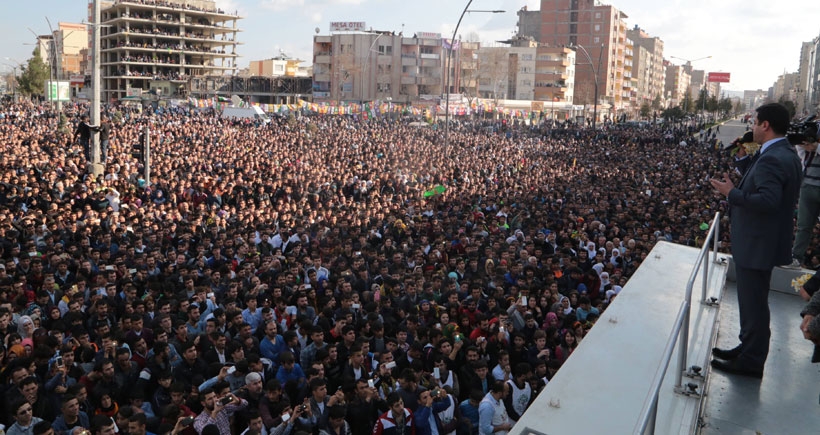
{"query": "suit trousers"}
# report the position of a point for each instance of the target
(753, 304)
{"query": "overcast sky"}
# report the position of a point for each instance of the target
(754, 40)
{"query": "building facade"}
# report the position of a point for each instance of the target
(601, 30)
(529, 24)
(648, 66)
(158, 46)
(276, 67)
(677, 85)
(508, 73)
(368, 66)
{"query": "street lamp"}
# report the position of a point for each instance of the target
(449, 64)
(595, 75)
(50, 64)
(367, 67)
(14, 78)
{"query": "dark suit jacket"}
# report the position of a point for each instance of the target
(762, 208)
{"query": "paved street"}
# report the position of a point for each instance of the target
(730, 131)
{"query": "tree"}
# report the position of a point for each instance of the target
(740, 107)
(673, 113)
(789, 105)
(687, 104)
(656, 102)
(712, 103)
(645, 110)
(493, 71)
(725, 106)
(702, 100)
(33, 76)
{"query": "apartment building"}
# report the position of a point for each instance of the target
(358, 66)
(529, 24)
(554, 74)
(157, 45)
(648, 66)
(508, 73)
(64, 49)
(677, 84)
(599, 31)
(280, 66)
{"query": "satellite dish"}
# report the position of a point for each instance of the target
(316, 30)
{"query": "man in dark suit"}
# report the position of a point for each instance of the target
(762, 211)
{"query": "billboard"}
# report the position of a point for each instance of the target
(57, 90)
(718, 77)
(428, 35)
(347, 26)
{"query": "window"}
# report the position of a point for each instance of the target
(386, 49)
(597, 15)
(526, 57)
(383, 88)
(597, 27)
(596, 40)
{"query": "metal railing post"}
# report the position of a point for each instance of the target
(649, 411)
(705, 266)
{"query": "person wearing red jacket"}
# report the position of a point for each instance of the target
(398, 420)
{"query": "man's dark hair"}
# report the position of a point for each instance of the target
(138, 418)
(16, 405)
(41, 427)
(317, 383)
(776, 114)
(521, 369)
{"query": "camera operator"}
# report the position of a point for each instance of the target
(217, 411)
(808, 204)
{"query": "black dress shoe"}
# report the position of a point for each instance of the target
(737, 368)
(727, 354)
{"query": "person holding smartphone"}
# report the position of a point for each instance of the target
(217, 411)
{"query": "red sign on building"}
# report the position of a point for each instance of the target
(718, 77)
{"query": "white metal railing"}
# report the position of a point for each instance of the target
(680, 330)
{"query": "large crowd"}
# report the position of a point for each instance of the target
(319, 274)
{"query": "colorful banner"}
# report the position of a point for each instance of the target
(374, 109)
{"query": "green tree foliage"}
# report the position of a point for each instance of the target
(712, 103)
(687, 104)
(702, 101)
(645, 110)
(33, 76)
(725, 106)
(656, 103)
(673, 113)
(789, 105)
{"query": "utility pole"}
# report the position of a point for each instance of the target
(147, 155)
(97, 168)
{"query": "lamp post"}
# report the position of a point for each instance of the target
(14, 77)
(447, 77)
(595, 75)
(367, 67)
(50, 66)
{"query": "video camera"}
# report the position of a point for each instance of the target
(802, 130)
